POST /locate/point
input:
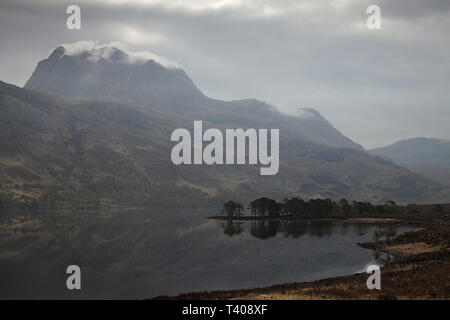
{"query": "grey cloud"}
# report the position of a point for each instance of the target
(374, 86)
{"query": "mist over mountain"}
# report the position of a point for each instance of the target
(91, 71)
(428, 156)
(97, 125)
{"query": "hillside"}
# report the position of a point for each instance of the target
(107, 72)
(427, 156)
(109, 143)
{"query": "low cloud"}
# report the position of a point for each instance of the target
(99, 51)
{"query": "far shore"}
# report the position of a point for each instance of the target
(267, 218)
(355, 220)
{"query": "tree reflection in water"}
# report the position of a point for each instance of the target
(264, 229)
(386, 234)
(269, 228)
(232, 227)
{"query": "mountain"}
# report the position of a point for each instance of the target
(116, 152)
(78, 146)
(91, 71)
(428, 156)
(417, 152)
(110, 72)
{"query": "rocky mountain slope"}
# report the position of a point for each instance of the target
(109, 142)
(108, 72)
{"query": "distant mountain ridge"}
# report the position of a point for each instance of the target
(417, 152)
(428, 156)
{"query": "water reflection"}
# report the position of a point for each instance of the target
(232, 227)
(269, 228)
(141, 254)
(382, 258)
(386, 234)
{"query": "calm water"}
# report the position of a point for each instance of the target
(142, 254)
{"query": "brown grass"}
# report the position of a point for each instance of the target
(409, 249)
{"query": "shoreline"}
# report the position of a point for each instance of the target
(256, 218)
(419, 271)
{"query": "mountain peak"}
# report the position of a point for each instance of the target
(112, 52)
(320, 130)
(421, 140)
(87, 69)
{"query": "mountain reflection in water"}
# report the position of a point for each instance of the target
(145, 253)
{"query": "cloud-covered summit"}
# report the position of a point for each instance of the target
(308, 113)
(114, 51)
(90, 70)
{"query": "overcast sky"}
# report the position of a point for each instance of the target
(375, 86)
